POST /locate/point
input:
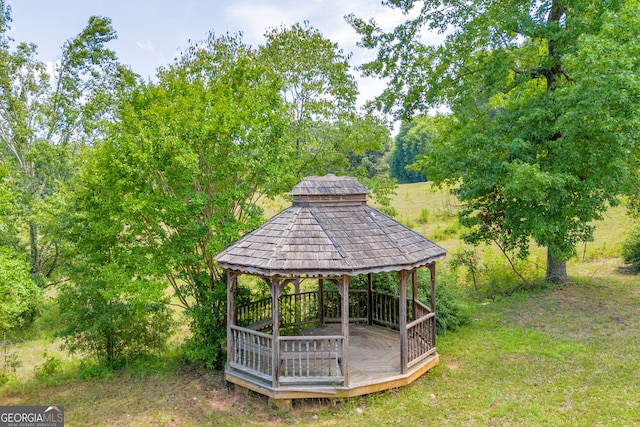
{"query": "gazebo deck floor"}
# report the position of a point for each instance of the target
(373, 354)
(373, 365)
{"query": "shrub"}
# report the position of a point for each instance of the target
(499, 277)
(447, 232)
(50, 366)
(451, 313)
(631, 248)
(112, 317)
(408, 223)
(9, 363)
(208, 318)
(19, 296)
(91, 371)
(467, 260)
(208, 321)
(424, 216)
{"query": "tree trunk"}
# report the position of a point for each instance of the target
(556, 269)
(36, 265)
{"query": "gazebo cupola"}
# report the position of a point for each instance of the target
(329, 234)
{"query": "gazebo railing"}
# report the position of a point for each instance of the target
(256, 315)
(303, 308)
(314, 359)
(251, 351)
(311, 359)
(386, 310)
(420, 310)
(332, 309)
(302, 359)
(421, 338)
(298, 309)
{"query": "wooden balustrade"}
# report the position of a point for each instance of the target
(332, 307)
(303, 308)
(311, 359)
(298, 309)
(319, 359)
(251, 351)
(386, 310)
(421, 310)
(357, 306)
(421, 338)
(255, 315)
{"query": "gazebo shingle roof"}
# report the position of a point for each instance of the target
(329, 229)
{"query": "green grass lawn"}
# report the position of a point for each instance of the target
(556, 356)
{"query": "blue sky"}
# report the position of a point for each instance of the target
(150, 33)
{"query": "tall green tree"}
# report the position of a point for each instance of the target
(44, 118)
(546, 99)
(179, 175)
(9, 237)
(411, 141)
(327, 132)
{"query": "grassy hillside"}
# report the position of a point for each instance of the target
(553, 356)
(412, 200)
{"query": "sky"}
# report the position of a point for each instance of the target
(152, 32)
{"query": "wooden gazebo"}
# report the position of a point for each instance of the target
(353, 341)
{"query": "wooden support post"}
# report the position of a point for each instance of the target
(343, 289)
(432, 270)
(275, 361)
(370, 300)
(297, 313)
(232, 282)
(283, 405)
(321, 299)
(240, 389)
(414, 293)
(404, 350)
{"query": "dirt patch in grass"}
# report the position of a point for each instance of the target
(453, 365)
(12, 401)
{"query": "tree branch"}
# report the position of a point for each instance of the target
(513, 267)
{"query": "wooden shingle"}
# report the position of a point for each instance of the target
(329, 230)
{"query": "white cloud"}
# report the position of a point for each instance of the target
(146, 45)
